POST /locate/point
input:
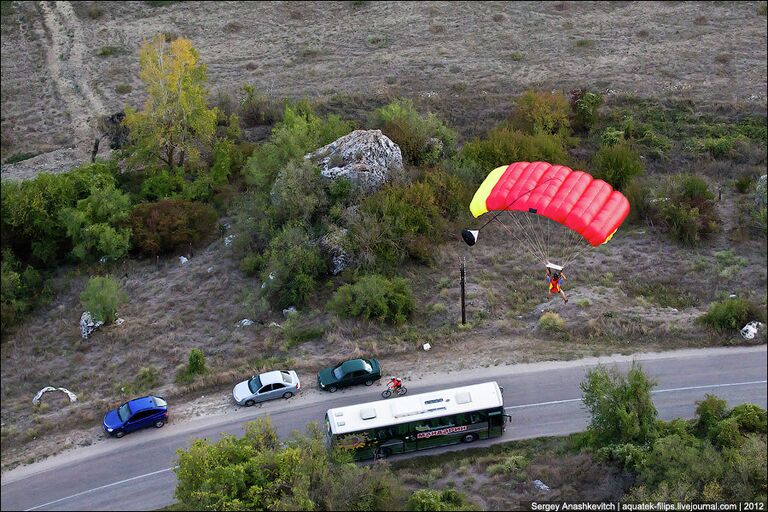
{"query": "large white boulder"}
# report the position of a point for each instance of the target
(367, 158)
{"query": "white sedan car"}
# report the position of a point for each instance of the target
(267, 386)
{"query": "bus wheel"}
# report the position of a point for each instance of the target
(468, 438)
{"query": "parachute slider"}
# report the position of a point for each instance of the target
(470, 236)
(552, 266)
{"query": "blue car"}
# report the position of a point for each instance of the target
(147, 411)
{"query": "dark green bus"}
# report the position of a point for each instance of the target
(418, 422)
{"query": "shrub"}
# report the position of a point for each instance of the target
(730, 314)
(394, 224)
(19, 157)
(258, 109)
(293, 267)
(551, 321)
(123, 88)
(709, 412)
(744, 183)
(196, 363)
(750, 418)
(687, 209)
(94, 224)
(584, 106)
(21, 289)
(639, 196)
(621, 408)
(446, 500)
(110, 51)
(298, 193)
(502, 146)
(31, 210)
(374, 297)
(299, 132)
(170, 225)
(424, 140)
(611, 136)
(542, 112)
(617, 165)
(102, 296)
(163, 184)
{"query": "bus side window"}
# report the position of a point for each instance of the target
(474, 417)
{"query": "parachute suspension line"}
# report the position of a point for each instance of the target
(521, 240)
(536, 247)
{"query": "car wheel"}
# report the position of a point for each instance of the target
(159, 424)
(468, 438)
(369, 382)
(250, 403)
(332, 389)
(287, 395)
(119, 434)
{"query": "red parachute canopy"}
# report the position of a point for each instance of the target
(588, 206)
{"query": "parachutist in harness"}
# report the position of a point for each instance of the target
(554, 280)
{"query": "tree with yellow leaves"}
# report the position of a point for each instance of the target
(176, 119)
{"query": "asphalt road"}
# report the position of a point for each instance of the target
(136, 472)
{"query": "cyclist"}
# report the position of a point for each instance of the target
(394, 383)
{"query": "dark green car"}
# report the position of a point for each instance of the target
(349, 373)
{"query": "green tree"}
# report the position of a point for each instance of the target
(375, 297)
(621, 407)
(176, 118)
(102, 296)
(94, 224)
(256, 472)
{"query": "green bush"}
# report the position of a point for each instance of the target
(374, 297)
(611, 136)
(256, 109)
(299, 132)
(94, 225)
(542, 112)
(19, 157)
(424, 500)
(298, 474)
(617, 165)
(686, 207)
(196, 363)
(731, 315)
(424, 140)
(750, 417)
(709, 412)
(298, 193)
(101, 297)
(292, 267)
(394, 224)
(163, 184)
(621, 408)
(551, 322)
(171, 225)
(639, 196)
(21, 289)
(31, 210)
(584, 106)
(502, 146)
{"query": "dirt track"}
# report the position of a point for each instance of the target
(473, 55)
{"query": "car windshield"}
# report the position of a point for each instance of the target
(124, 412)
(337, 372)
(160, 402)
(254, 384)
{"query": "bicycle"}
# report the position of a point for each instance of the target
(388, 392)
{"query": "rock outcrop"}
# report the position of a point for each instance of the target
(367, 158)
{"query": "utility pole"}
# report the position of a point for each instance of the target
(463, 307)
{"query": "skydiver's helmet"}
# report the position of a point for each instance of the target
(555, 276)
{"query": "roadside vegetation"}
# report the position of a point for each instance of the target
(197, 182)
(627, 454)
